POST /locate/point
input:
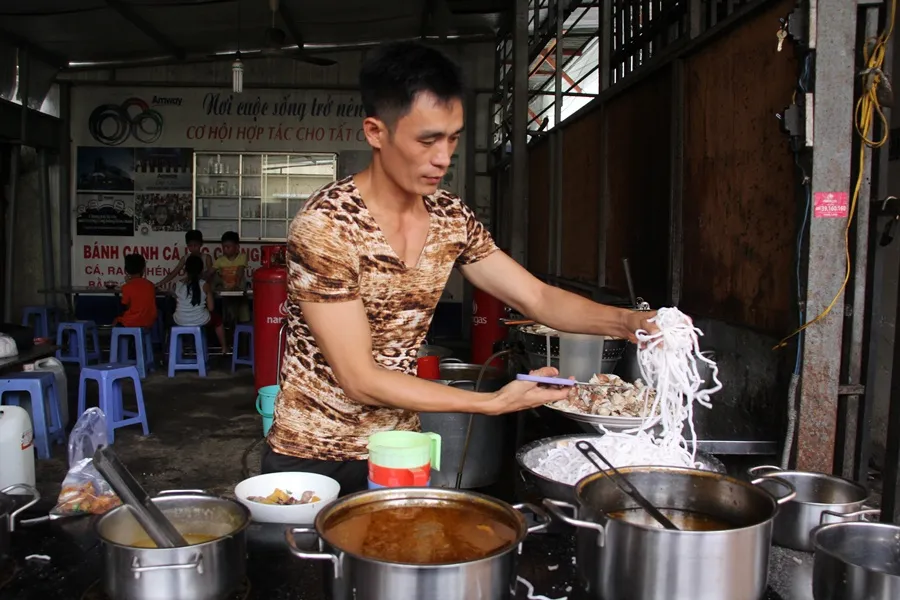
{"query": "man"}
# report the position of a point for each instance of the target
(368, 258)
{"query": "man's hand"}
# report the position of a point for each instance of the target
(521, 395)
(639, 319)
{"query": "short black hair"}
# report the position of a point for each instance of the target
(135, 264)
(194, 235)
(395, 73)
(231, 236)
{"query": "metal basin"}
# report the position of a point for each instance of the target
(856, 561)
(617, 558)
(528, 455)
(350, 575)
(820, 499)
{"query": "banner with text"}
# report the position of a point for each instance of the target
(133, 155)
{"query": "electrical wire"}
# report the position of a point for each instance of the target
(868, 107)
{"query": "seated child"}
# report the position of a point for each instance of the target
(138, 295)
(231, 269)
(193, 239)
(194, 302)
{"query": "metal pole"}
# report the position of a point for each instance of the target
(833, 110)
(676, 175)
(557, 141)
(65, 187)
(46, 221)
(519, 201)
(13, 191)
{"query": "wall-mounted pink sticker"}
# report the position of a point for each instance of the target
(831, 205)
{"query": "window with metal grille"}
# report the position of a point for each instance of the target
(640, 29)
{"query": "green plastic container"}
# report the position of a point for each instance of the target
(405, 449)
(265, 405)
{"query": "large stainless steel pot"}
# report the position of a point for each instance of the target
(9, 512)
(617, 559)
(490, 433)
(818, 495)
(206, 571)
(535, 346)
(856, 561)
(350, 576)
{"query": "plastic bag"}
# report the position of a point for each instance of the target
(84, 490)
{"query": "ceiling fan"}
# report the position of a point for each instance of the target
(276, 39)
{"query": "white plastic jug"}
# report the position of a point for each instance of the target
(62, 391)
(16, 447)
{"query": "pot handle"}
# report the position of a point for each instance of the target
(196, 563)
(35, 496)
(754, 471)
(555, 506)
(775, 479)
(849, 515)
(172, 492)
(543, 519)
(289, 536)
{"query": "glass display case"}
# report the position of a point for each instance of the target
(255, 194)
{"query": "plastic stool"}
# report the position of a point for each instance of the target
(41, 386)
(177, 360)
(109, 379)
(77, 351)
(143, 345)
(44, 319)
(235, 359)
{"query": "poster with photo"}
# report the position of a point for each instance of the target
(163, 211)
(104, 169)
(163, 169)
(104, 214)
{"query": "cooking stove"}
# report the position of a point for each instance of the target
(95, 592)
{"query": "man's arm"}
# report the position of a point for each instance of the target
(342, 333)
(505, 279)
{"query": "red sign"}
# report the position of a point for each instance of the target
(831, 205)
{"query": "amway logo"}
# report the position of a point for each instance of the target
(163, 101)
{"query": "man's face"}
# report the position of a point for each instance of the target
(230, 249)
(416, 152)
(194, 247)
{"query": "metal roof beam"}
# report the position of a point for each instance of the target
(47, 56)
(129, 14)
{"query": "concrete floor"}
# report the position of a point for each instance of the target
(200, 429)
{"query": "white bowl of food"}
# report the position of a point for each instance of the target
(292, 498)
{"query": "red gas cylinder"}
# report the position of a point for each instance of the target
(487, 329)
(269, 311)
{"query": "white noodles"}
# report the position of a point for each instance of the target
(668, 363)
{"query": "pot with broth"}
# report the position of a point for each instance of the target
(210, 567)
(413, 543)
(721, 549)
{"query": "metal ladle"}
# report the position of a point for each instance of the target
(589, 450)
(147, 514)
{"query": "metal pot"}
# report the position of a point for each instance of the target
(9, 512)
(484, 462)
(352, 576)
(205, 571)
(619, 559)
(535, 347)
(818, 495)
(856, 561)
(528, 454)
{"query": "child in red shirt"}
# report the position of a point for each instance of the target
(138, 295)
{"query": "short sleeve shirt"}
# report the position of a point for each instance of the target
(139, 298)
(228, 269)
(337, 253)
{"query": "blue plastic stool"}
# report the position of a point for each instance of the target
(235, 359)
(109, 379)
(77, 351)
(177, 360)
(44, 319)
(41, 386)
(119, 348)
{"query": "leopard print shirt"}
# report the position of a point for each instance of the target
(337, 253)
